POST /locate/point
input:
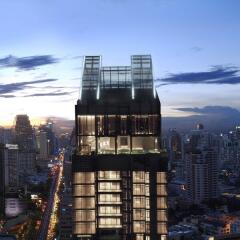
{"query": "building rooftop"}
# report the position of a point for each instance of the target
(138, 75)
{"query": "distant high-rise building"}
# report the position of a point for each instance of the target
(52, 141)
(2, 178)
(201, 165)
(6, 135)
(26, 143)
(24, 133)
(119, 174)
(201, 173)
(42, 144)
(12, 169)
(65, 219)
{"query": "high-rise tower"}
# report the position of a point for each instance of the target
(27, 147)
(119, 172)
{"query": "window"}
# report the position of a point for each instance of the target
(111, 124)
(109, 198)
(139, 202)
(161, 215)
(123, 144)
(109, 187)
(162, 228)
(109, 222)
(83, 202)
(84, 228)
(109, 210)
(138, 177)
(84, 215)
(106, 145)
(139, 214)
(123, 125)
(83, 190)
(87, 145)
(111, 175)
(100, 125)
(144, 144)
(84, 177)
(161, 177)
(161, 190)
(86, 125)
(139, 227)
(138, 189)
(161, 202)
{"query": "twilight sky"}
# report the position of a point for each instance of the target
(195, 46)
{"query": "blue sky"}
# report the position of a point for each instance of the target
(41, 41)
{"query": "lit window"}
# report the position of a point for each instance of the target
(83, 177)
(83, 190)
(109, 198)
(111, 175)
(139, 214)
(83, 202)
(84, 215)
(139, 227)
(109, 222)
(161, 190)
(139, 202)
(106, 145)
(109, 186)
(138, 189)
(109, 210)
(86, 125)
(138, 177)
(84, 228)
(162, 228)
(162, 215)
(161, 177)
(161, 203)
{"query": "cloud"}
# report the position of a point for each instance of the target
(13, 87)
(27, 63)
(7, 96)
(211, 110)
(196, 49)
(49, 94)
(216, 75)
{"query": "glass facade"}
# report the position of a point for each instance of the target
(116, 134)
(119, 176)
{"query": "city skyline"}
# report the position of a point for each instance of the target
(193, 46)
